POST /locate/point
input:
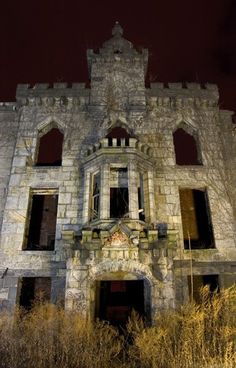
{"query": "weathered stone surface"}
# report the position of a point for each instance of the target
(102, 248)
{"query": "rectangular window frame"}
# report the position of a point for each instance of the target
(37, 192)
(208, 242)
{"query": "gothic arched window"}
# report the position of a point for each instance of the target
(50, 148)
(186, 148)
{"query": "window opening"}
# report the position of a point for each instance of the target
(42, 224)
(186, 150)
(33, 290)
(118, 132)
(119, 193)
(141, 198)
(196, 219)
(200, 281)
(95, 196)
(50, 149)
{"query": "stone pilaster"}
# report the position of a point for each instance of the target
(133, 190)
(105, 192)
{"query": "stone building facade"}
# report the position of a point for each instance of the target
(116, 196)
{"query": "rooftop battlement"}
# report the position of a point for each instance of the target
(7, 106)
(185, 90)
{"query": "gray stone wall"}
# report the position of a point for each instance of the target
(117, 97)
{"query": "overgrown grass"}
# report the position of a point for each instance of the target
(194, 336)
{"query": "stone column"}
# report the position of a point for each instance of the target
(105, 192)
(133, 191)
(151, 197)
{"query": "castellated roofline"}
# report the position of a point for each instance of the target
(64, 90)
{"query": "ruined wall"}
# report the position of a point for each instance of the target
(83, 250)
(8, 132)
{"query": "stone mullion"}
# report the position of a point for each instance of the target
(86, 199)
(151, 197)
(133, 190)
(105, 192)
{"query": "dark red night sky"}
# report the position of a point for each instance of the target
(188, 40)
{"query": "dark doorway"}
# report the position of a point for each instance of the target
(117, 299)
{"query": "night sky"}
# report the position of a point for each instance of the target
(188, 40)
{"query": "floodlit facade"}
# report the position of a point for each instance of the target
(118, 196)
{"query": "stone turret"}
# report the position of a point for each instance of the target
(117, 74)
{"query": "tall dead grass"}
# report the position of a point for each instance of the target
(194, 336)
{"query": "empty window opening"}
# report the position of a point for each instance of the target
(118, 133)
(199, 281)
(141, 199)
(186, 149)
(33, 290)
(95, 196)
(119, 193)
(50, 148)
(116, 300)
(196, 219)
(42, 224)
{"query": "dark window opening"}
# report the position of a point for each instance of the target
(118, 132)
(196, 219)
(119, 202)
(141, 199)
(50, 149)
(33, 290)
(42, 225)
(119, 193)
(199, 281)
(95, 196)
(186, 150)
(116, 300)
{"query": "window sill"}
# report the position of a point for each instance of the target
(38, 252)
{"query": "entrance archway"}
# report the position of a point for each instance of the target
(116, 299)
(146, 288)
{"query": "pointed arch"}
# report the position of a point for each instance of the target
(186, 145)
(119, 130)
(49, 145)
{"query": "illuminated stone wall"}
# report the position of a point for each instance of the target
(85, 251)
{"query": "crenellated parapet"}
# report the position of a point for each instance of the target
(59, 94)
(119, 143)
(7, 106)
(178, 95)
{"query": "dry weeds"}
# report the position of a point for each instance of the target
(194, 336)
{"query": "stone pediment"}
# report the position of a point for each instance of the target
(117, 239)
(121, 237)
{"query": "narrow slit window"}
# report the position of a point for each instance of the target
(50, 149)
(141, 199)
(196, 219)
(42, 223)
(95, 196)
